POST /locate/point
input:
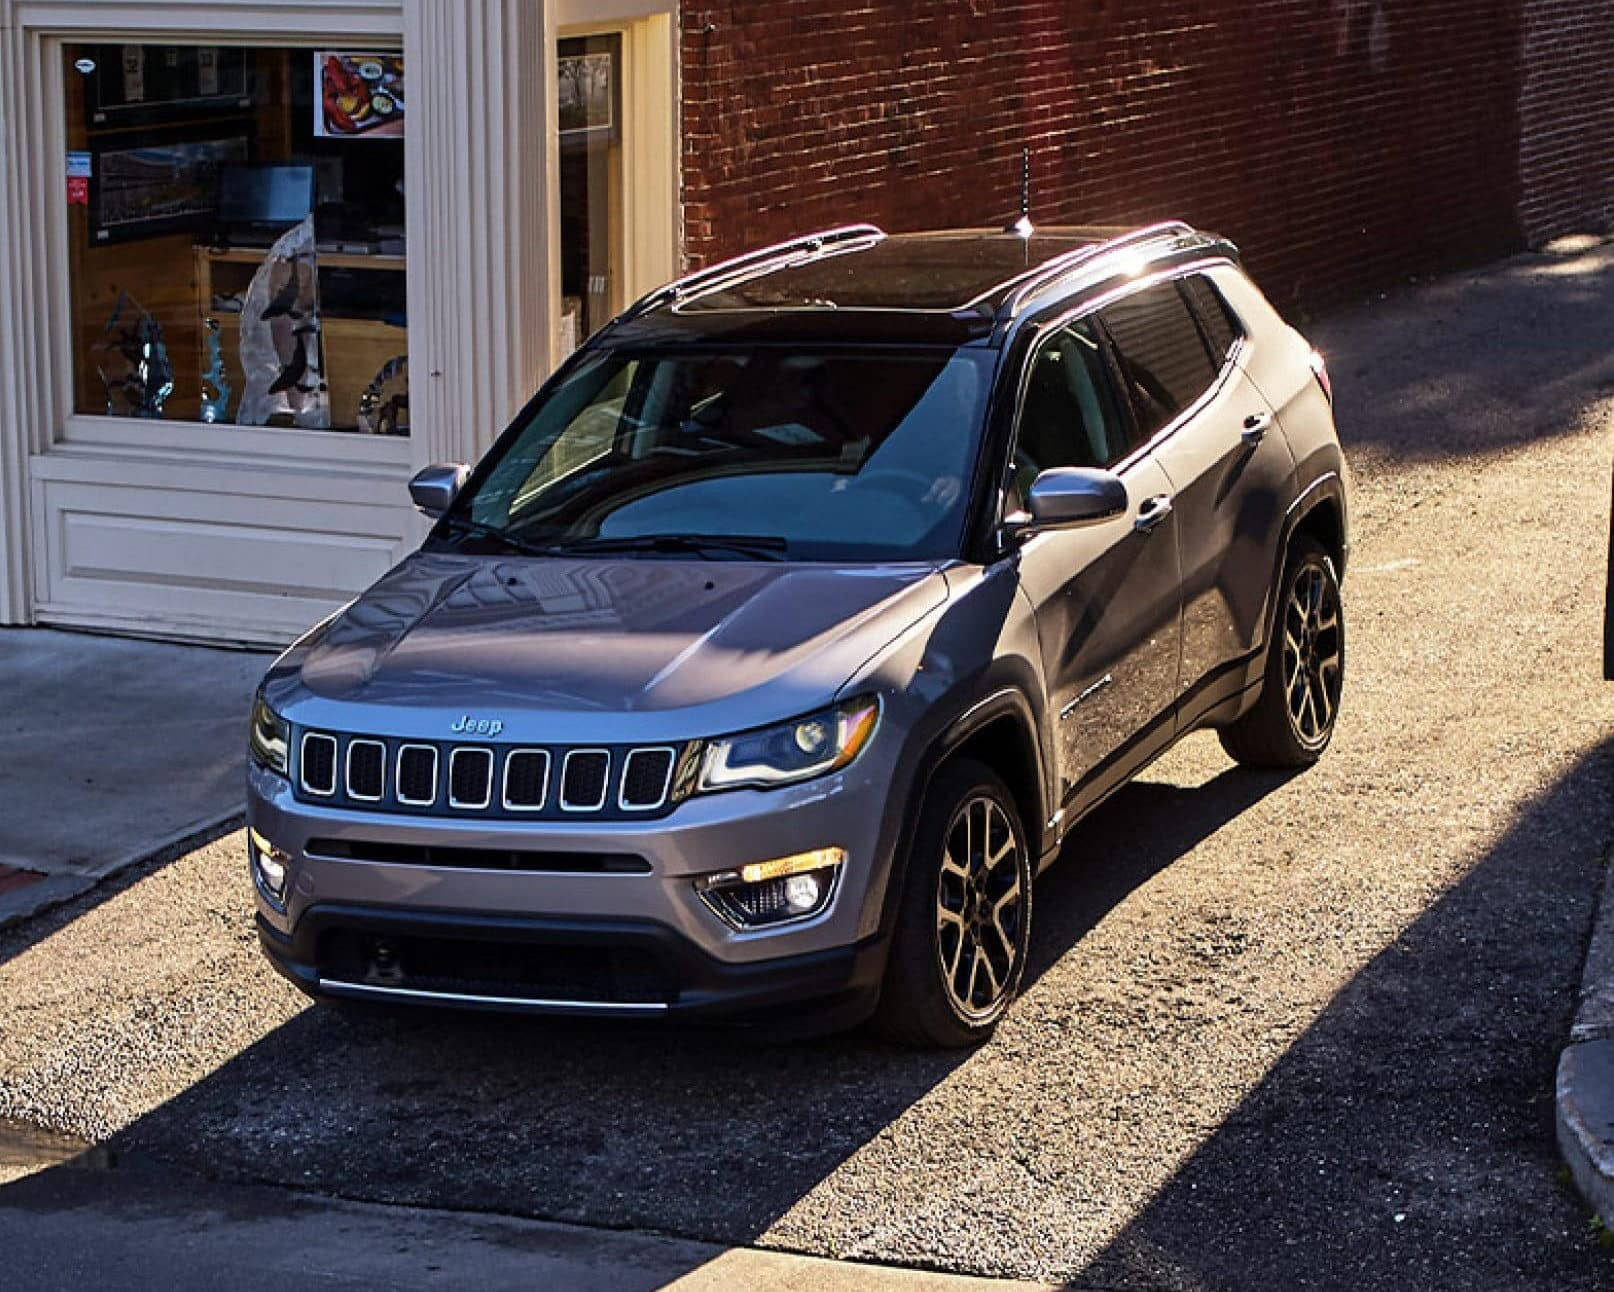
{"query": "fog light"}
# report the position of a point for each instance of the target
(269, 866)
(803, 892)
(767, 893)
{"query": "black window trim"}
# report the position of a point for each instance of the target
(1241, 333)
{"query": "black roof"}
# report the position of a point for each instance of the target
(859, 285)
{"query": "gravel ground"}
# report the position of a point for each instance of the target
(1301, 1030)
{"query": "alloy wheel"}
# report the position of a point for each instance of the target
(1313, 654)
(979, 906)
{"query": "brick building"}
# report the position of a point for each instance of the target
(447, 196)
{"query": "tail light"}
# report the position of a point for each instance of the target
(1319, 369)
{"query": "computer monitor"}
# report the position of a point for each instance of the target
(264, 197)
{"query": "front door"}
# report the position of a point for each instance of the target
(1106, 595)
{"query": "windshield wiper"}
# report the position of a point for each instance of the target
(466, 525)
(764, 547)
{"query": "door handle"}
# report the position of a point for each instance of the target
(1256, 426)
(1152, 512)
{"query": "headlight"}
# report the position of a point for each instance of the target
(269, 737)
(821, 742)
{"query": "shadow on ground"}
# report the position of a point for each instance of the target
(1403, 1140)
(1406, 1139)
(1475, 363)
(700, 1133)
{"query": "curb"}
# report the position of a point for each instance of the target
(1585, 1086)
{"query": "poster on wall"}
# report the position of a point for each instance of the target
(139, 192)
(587, 93)
(361, 95)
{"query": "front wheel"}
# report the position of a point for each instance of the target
(963, 930)
(1293, 720)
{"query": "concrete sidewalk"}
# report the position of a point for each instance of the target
(1586, 1071)
(112, 750)
(126, 1231)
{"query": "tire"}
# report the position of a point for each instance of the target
(1293, 721)
(956, 909)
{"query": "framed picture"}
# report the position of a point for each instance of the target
(587, 85)
(139, 190)
(358, 95)
(129, 85)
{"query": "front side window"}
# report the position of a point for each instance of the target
(1069, 416)
(235, 224)
(803, 455)
(1163, 359)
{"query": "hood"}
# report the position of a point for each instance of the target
(517, 638)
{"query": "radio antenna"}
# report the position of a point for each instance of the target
(1023, 226)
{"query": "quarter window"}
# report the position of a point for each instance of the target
(1222, 329)
(1164, 363)
(1070, 416)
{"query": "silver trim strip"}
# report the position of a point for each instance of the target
(302, 764)
(565, 774)
(666, 784)
(504, 781)
(397, 776)
(449, 997)
(487, 783)
(347, 770)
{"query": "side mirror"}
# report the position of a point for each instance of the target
(433, 489)
(1065, 497)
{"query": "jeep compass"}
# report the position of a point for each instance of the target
(781, 640)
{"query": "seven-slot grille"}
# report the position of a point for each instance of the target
(456, 780)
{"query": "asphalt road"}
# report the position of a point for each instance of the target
(1296, 1032)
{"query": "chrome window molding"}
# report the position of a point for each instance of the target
(566, 805)
(302, 764)
(504, 788)
(347, 770)
(666, 783)
(398, 780)
(487, 781)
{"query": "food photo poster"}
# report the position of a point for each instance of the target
(361, 96)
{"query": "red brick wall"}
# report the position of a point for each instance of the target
(1342, 143)
(1567, 118)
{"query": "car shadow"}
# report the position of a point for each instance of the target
(697, 1132)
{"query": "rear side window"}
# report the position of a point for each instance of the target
(1163, 359)
(1222, 328)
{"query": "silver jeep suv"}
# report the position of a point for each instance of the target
(785, 635)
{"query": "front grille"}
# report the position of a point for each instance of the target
(470, 778)
(366, 769)
(547, 863)
(583, 781)
(645, 777)
(537, 971)
(517, 783)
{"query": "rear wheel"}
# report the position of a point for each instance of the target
(964, 927)
(1293, 721)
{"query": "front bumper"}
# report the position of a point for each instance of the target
(564, 942)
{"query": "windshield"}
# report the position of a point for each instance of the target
(814, 456)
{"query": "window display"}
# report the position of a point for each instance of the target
(236, 233)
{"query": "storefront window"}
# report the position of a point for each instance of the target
(590, 89)
(236, 235)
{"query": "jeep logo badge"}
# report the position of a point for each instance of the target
(469, 726)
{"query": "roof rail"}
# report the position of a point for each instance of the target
(1053, 270)
(727, 271)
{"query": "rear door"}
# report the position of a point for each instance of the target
(1106, 595)
(1230, 469)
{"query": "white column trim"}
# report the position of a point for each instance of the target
(484, 231)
